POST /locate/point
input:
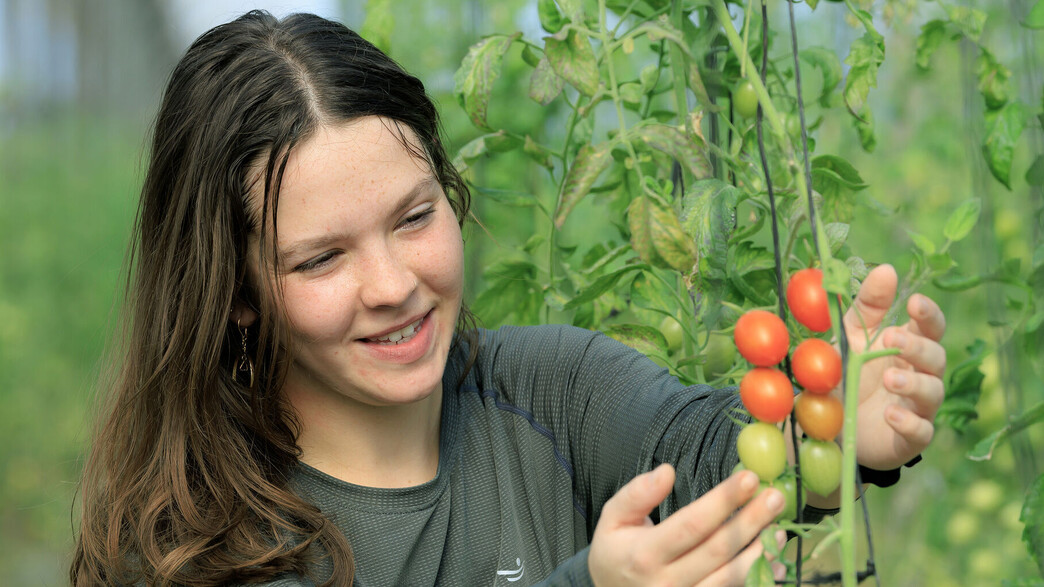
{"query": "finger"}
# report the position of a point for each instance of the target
(630, 506)
(925, 392)
(732, 537)
(692, 524)
(735, 571)
(914, 429)
(873, 300)
(922, 353)
(926, 317)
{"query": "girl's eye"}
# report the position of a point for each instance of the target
(417, 219)
(316, 262)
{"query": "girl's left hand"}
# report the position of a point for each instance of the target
(899, 395)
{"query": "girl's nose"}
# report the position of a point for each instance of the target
(386, 280)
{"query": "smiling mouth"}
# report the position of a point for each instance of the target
(399, 336)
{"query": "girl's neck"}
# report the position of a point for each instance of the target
(372, 446)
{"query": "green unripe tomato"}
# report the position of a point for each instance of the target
(720, 354)
(820, 466)
(792, 123)
(745, 99)
(761, 449)
(672, 331)
(788, 486)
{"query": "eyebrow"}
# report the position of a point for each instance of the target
(325, 240)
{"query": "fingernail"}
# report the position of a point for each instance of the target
(774, 501)
(899, 340)
(899, 380)
(779, 572)
(749, 481)
(781, 537)
(896, 416)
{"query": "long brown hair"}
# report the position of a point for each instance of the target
(187, 478)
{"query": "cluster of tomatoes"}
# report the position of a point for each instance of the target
(767, 393)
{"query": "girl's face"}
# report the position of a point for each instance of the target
(371, 263)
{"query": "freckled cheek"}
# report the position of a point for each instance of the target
(443, 261)
(318, 311)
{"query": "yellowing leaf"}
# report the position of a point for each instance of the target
(473, 81)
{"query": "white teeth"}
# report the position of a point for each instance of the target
(400, 335)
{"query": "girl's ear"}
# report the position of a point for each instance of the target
(242, 314)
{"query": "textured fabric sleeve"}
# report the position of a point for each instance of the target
(572, 573)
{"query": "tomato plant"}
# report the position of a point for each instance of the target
(820, 465)
(762, 338)
(817, 366)
(767, 394)
(820, 415)
(807, 299)
(761, 449)
(787, 485)
(719, 355)
(745, 99)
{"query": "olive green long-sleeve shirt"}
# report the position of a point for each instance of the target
(549, 423)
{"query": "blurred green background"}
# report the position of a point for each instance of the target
(79, 82)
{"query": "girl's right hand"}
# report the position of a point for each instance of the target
(700, 544)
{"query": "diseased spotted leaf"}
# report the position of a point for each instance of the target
(639, 221)
(589, 163)
(864, 58)
(645, 339)
(680, 145)
(473, 81)
(993, 80)
(538, 152)
(671, 243)
(933, 33)
(544, 84)
(836, 181)
(709, 217)
(1003, 127)
(837, 234)
(573, 58)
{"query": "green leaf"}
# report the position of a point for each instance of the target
(963, 388)
(969, 20)
(963, 220)
(537, 152)
(922, 242)
(983, 450)
(837, 181)
(645, 339)
(993, 80)
(1035, 174)
(379, 24)
(530, 56)
(589, 163)
(648, 77)
(836, 276)
(602, 285)
(512, 290)
(837, 234)
(651, 294)
(709, 217)
(864, 126)
(1032, 518)
(473, 81)
(828, 64)
(631, 92)
(678, 144)
(932, 35)
(574, 60)
(1035, 20)
(812, 4)
(1003, 127)
(747, 258)
(957, 282)
(865, 56)
(550, 18)
(545, 85)
(760, 574)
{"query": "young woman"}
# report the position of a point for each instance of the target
(299, 400)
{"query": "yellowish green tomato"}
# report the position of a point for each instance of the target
(820, 465)
(672, 331)
(761, 449)
(745, 99)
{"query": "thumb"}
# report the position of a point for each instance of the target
(633, 502)
(875, 297)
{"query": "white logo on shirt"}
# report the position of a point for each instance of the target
(516, 574)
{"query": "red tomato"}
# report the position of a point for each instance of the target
(820, 415)
(807, 299)
(762, 338)
(767, 394)
(817, 366)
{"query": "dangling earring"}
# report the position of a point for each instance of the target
(243, 364)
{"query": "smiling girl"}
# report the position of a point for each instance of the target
(299, 399)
